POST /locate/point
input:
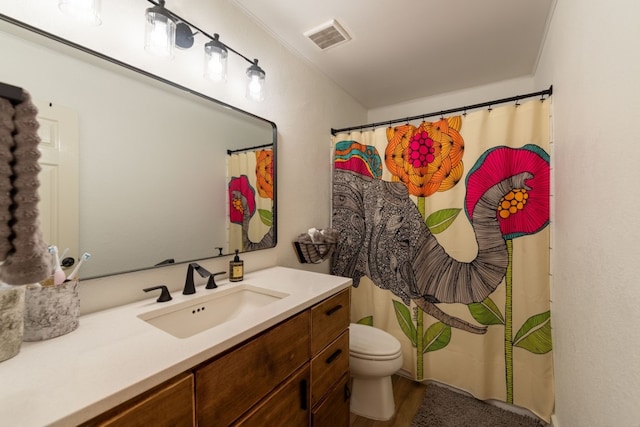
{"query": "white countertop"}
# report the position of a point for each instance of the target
(114, 356)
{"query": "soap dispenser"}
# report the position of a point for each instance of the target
(236, 269)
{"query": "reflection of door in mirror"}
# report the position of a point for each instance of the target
(250, 180)
(58, 190)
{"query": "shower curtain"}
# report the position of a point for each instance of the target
(444, 229)
(250, 182)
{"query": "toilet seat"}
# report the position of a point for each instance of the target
(370, 343)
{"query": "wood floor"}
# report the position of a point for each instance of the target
(408, 397)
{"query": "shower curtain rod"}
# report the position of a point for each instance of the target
(257, 147)
(516, 98)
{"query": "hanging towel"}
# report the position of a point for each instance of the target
(26, 259)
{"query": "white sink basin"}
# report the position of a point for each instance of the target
(191, 317)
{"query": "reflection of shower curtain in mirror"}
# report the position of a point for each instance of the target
(250, 184)
(445, 226)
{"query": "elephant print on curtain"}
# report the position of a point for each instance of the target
(388, 236)
(383, 236)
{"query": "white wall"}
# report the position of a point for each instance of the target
(591, 57)
(451, 100)
(301, 101)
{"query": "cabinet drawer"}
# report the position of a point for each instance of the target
(334, 410)
(328, 319)
(328, 366)
(232, 384)
(169, 404)
(287, 406)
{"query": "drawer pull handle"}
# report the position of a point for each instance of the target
(303, 395)
(333, 357)
(333, 310)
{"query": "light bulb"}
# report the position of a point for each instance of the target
(215, 67)
(215, 60)
(160, 31)
(87, 11)
(255, 86)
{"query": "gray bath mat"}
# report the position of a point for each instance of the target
(442, 407)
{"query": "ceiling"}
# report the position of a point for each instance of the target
(407, 49)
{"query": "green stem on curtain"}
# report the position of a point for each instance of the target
(420, 317)
(508, 324)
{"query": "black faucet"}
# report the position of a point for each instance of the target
(211, 283)
(189, 285)
(164, 295)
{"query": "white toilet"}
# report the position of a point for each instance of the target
(374, 355)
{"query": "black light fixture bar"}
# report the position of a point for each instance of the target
(204, 33)
(489, 104)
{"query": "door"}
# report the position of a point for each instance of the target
(58, 207)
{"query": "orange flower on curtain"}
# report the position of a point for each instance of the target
(264, 173)
(428, 158)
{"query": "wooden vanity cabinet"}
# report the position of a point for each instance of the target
(230, 385)
(329, 318)
(168, 404)
(333, 411)
(330, 361)
(294, 374)
(287, 406)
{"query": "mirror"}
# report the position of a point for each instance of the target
(156, 161)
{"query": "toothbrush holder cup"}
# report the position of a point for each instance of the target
(51, 311)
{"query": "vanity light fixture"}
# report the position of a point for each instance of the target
(160, 31)
(215, 60)
(86, 11)
(255, 84)
(166, 30)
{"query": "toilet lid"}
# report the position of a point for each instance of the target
(366, 340)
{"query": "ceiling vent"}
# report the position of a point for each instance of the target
(328, 35)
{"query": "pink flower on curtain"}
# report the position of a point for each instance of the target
(427, 158)
(521, 211)
(241, 196)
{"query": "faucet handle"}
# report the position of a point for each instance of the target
(211, 283)
(164, 295)
(203, 272)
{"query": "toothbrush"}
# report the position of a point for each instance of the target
(63, 254)
(85, 256)
(58, 274)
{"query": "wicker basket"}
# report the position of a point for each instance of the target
(313, 253)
